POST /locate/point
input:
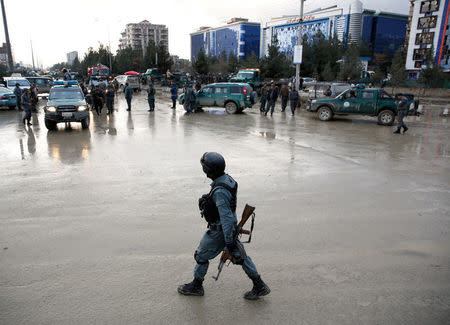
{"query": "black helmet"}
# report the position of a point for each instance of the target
(213, 164)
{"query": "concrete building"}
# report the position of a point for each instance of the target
(428, 31)
(383, 31)
(239, 36)
(138, 35)
(71, 56)
(4, 55)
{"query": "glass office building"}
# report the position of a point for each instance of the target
(384, 32)
(240, 37)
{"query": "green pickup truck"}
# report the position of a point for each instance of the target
(355, 101)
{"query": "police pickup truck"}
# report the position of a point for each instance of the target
(360, 101)
(66, 103)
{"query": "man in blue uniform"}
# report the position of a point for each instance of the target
(151, 97)
(128, 95)
(402, 108)
(18, 92)
(222, 227)
(174, 95)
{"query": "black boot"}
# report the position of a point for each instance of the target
(259, 289)
(397, 131)
(195, 288)
(405, 129)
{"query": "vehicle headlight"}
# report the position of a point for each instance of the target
(82, 108)
(51, 109)
(313, 101)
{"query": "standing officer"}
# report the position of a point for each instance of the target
(128, 91)
(66, 75)
(284, 97)
(151, 97)
(174, 95)
(293, 98)
(402, 108)
(264, 93)
(34, 97)
(110, 93)
(222, 224)
(18, 93)
(272, 99)
(26, 101)
(98, 97)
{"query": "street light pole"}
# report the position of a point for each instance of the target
(8, 43)
(299, 43)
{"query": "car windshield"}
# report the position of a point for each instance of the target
(245, 75)
(22, 83)
(66, 93)
(100, 72)
(133, 78)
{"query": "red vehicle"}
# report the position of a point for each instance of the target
(99, 70)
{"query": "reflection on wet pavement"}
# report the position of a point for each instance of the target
(101, 224)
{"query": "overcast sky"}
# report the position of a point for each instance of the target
(60, 26)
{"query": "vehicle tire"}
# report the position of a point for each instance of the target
(85, 123)
(325, 113)
(386, 117)
(231, 108)
(50, 125)
(12, 107)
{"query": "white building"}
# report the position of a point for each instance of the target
(71, 56)
(138, 35)
(428, 31)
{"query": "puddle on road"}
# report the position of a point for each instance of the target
(268, 135)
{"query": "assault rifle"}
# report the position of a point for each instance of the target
(226, 255)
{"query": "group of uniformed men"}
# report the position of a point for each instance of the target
(269, 96)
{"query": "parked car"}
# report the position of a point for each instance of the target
(7, 98)
(133, 81)
(235, 97)
(43, 84)
(357, 101)
(66, 103)
(12, 81)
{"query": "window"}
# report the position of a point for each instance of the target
(421, 54)
(429, 6)
(427, 22)
(66, 93)
(367, 95)
(22, 83)
(221, 90)
(385, 95)
(207, 90)
(424, 38)
(235, 90)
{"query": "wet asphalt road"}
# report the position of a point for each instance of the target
(99, 226)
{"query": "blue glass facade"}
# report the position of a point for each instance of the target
(241, 39)
(384, 34)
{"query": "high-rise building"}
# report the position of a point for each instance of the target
(239, 36)
(383, 31)
(429, 34)
(138, 35)
(71, 56)
(4, 55)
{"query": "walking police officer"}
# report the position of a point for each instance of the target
(402, 108)
(284, 97)
(272, 99)
(264, 93)
(294, 99)
(151, 97)
(222, 224)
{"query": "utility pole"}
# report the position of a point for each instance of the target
(8, 43)
(32, 53)
(299, 44)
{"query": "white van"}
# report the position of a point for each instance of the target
(133, 81)
(12, 81)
